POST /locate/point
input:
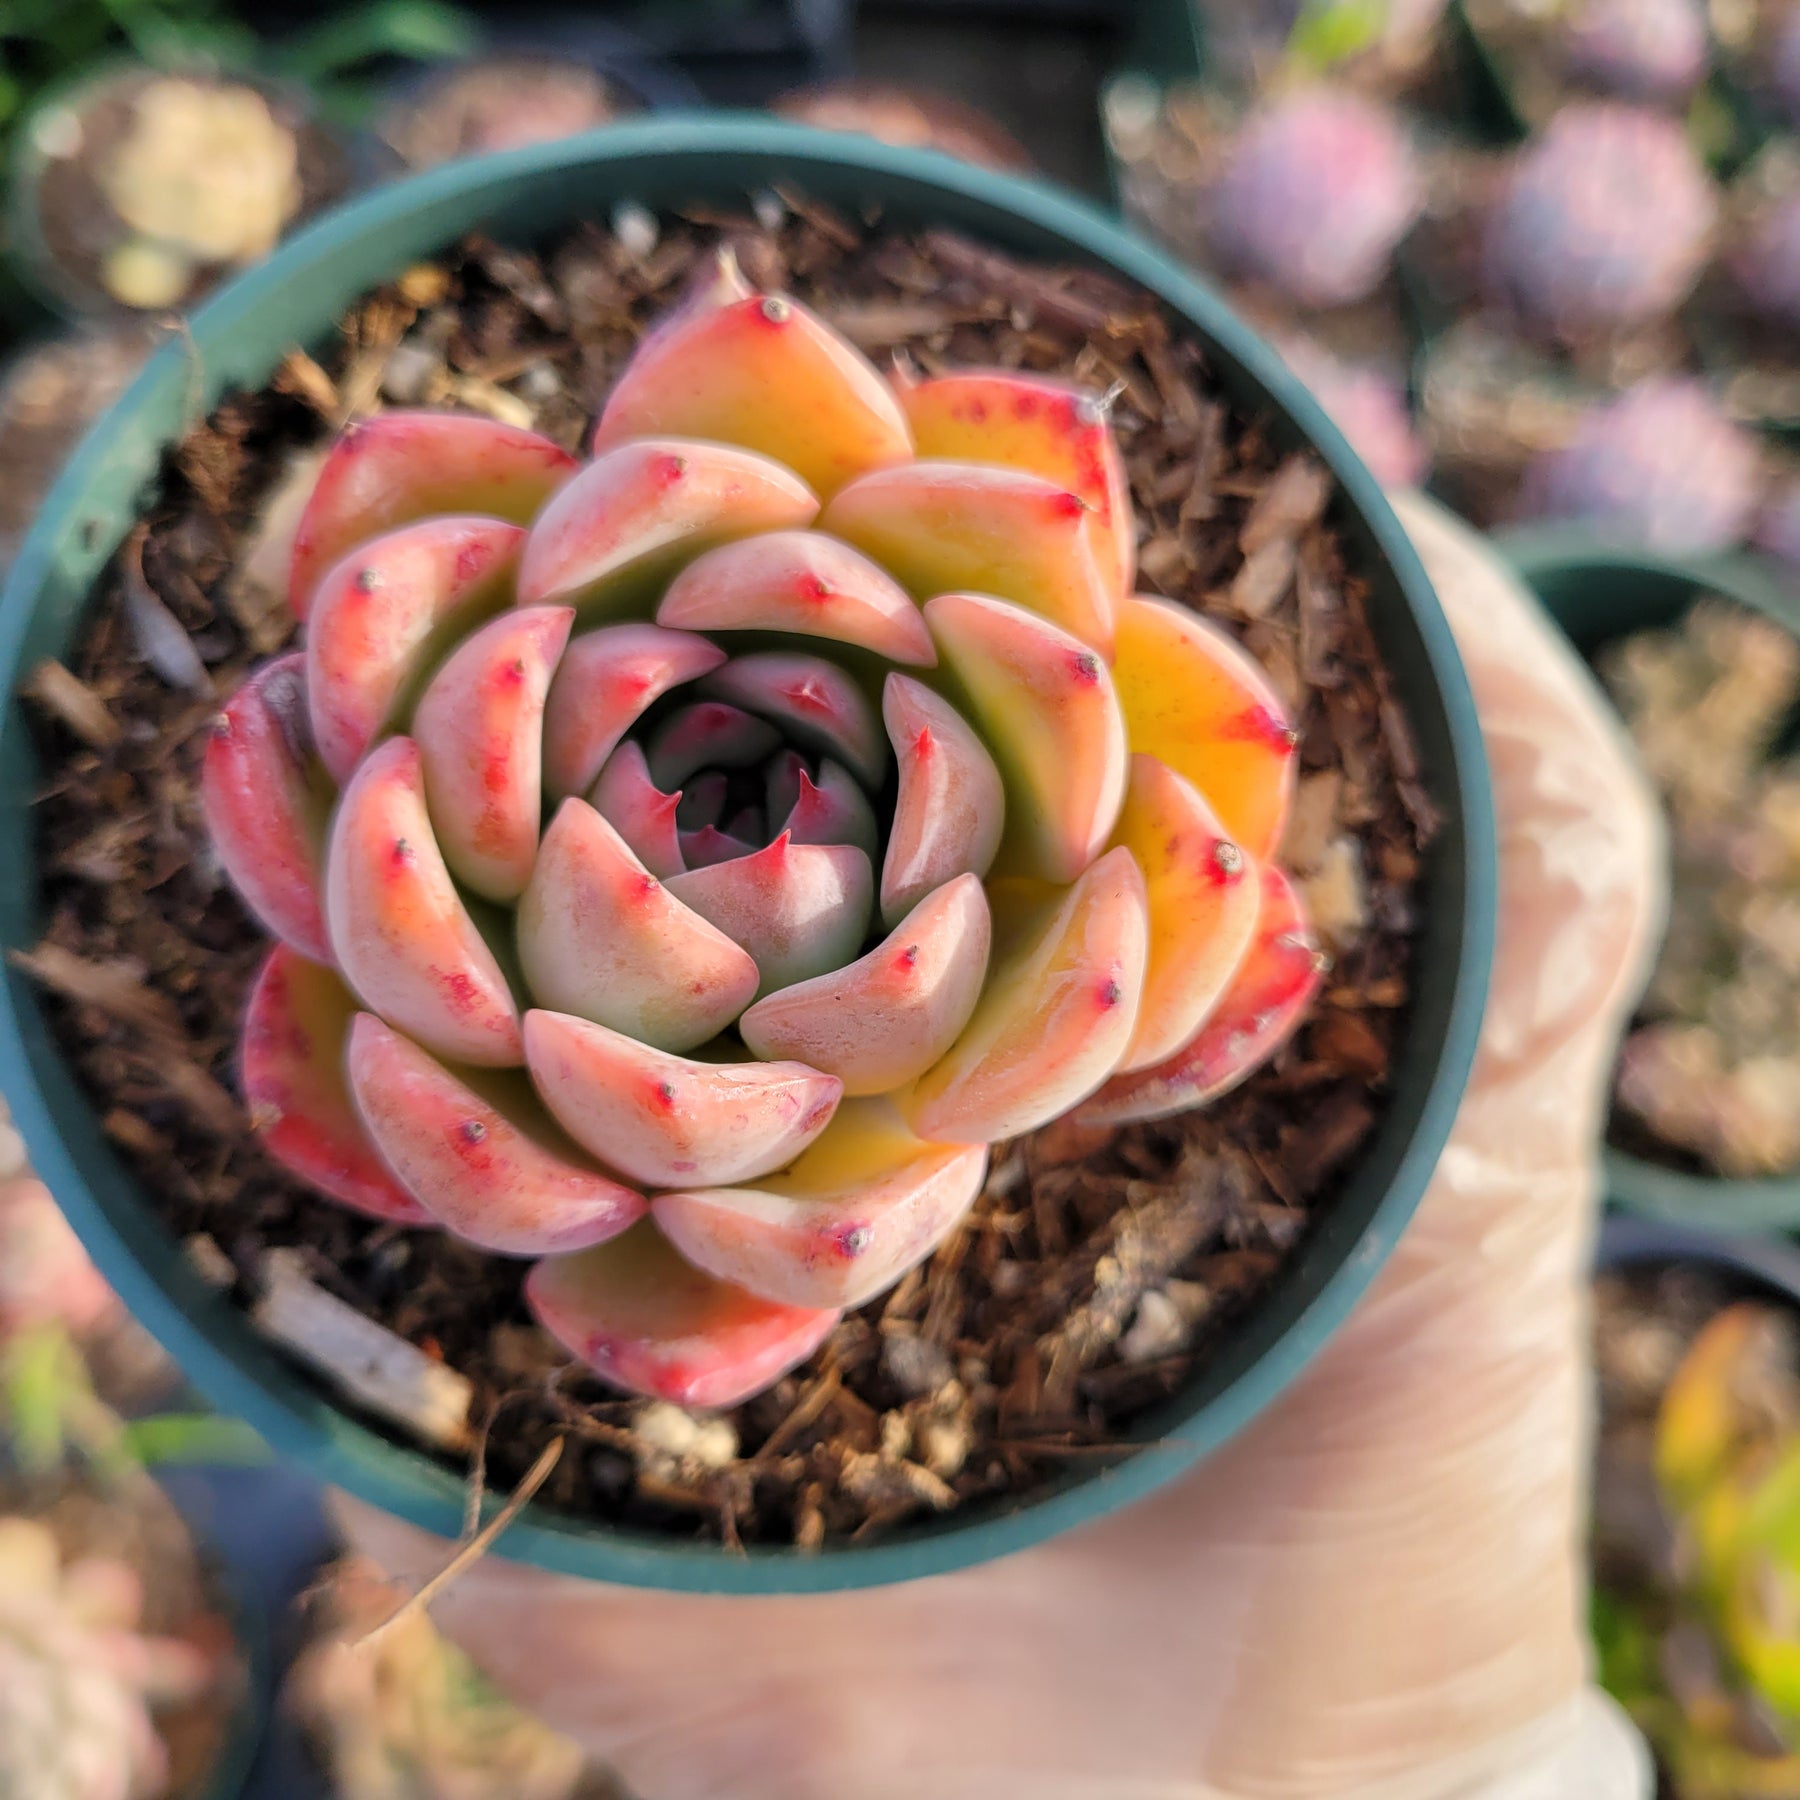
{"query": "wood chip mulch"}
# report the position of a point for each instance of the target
(1099, 1270)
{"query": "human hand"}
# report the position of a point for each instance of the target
(1377, 1589)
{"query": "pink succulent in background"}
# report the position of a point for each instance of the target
(1643, 49)
(1660, 467)
(1785, 63)
(79, 1679)
(1768, 262)
(1778, 524)
(1367, 406)
(45, 1274)
(1319, 190)
(882, 823)
(1605, 222)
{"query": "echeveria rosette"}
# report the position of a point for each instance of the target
(687, 863)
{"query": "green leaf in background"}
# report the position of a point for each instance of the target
(1329, 31)
(417, 30)
(188, 1438)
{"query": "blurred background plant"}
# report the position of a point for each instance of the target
(1697, 1538)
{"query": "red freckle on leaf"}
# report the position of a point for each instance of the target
(647, 885)
(1225, 862)
(367, 580)
(814, 587)
(853, 1240)
(402, 852)
(516, 668)
(1261, 725)
(1025, 405)
(672, 468)
(1069, 506)
(470, 560)
(1111, 994)
(908, 958)
(460, 991)
(473, 1131)
(665, 1092)
(1087, 668)
(808, 696)
(922, 744)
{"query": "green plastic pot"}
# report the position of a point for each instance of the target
(239, 337)
(1599, 592)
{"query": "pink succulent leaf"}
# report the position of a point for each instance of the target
(801, 582)
(709, 846)
(1254, 1017)
(267, 800)
(652, 1323)
(670, 1121)
(601, 937)
(398, 467)
(604, 683)
(834, 809)
(291, 1073)
(709, 734)
(950, 809)
(842, 1223)
(484, 1161)
(799, 909)
(883, 1020)
(640, 812)
(403, 937)
(641, 512)
(814, 702)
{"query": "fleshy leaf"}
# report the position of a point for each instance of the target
(1254, 1017)
(1197, 701)
(503, 1179)
(950, 810)
(401, 934)
(398, 467)
(815, 702)
(709, 845)
(383, 615)
(669, 1121)
(766, 373)
(708, 734)
(852, 1215)
(1046, 706)
(832, 810)
(603, 684)
(801, 582)
(651, 1323)
(883, 1020)
(611, 539)
(943, 527)
(267, 799)
(1054, 1019)
(1042, 426)
(601, 937)
(291, 1072)
(799, 909)
(1204, 898)
(639, 811)
(479, 728)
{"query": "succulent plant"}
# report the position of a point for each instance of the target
(1778, 524)
(1784, 63)
(795, 662)
(45, 1274)
(1318, 191)
(1645, 49)
(1605, 221)
(1768, 261)
(78, 1679)
(405, 1715)
(1659, 466)
(1367, 406)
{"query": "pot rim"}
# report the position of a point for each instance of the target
(65, 553)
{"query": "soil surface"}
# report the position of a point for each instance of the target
(1099, 1270)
